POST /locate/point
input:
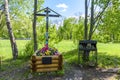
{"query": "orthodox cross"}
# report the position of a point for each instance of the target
(47, 14)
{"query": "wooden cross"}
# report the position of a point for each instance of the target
(47, 11)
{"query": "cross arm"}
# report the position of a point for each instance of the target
(50, 15)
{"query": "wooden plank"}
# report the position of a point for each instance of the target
(46, 70)
(31, 66)
(60, 62)
(37, 66)
(40, 62)
(50, 15)
(37, 58)
(44, 66)
(47, 66)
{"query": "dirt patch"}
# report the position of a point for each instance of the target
(71, 72)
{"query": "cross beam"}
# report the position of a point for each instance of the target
(47, 11)
(50, 15)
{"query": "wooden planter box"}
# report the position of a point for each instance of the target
(46, 63)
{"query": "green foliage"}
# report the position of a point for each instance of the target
(21, 15)
(53, 39)
(78, 30)
(107, 61)
(71, 56)
(72, 29)
(109, 30)
(27, 51)
(107, 52)
(108, 56)
(2, 25)
(5, 48)
(2, 20)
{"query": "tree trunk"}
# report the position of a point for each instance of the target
(86, 21)
(34, 26)
(91, 20)
(9, 27)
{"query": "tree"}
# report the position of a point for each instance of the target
(95, 19)
(21, 12)
(2, 21)
(86, 20)
(34, 23)
(110, 29)
(34, 26)
(9, 27)
(92, 19)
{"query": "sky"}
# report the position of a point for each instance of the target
(66, 8)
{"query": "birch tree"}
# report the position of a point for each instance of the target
(11, 35)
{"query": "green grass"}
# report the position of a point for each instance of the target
(108, 53)
(5, 47)
(65, 46)
(112, 49)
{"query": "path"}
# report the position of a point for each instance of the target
(72, 72)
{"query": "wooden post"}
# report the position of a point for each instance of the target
(47, 24)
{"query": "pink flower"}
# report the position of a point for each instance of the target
(44, 49)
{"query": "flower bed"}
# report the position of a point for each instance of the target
(46, 51)
(46, 60)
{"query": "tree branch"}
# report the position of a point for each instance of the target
(95, 27)
(99, 16)
(95, 6)
(100, 13)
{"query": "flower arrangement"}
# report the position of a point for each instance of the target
(46, 51)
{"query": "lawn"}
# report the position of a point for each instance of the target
(108, 53)
(5, 47)
(109, 48)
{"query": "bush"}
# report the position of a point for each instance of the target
(28, 50)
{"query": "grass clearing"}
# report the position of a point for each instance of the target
(108, 53)
(5, 47)
(112, 49)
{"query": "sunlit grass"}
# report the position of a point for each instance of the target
(109, 48)
(108, 53)
(5, 47)
(65, 45)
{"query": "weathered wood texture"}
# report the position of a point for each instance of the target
(37, 65)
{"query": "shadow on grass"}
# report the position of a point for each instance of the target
(71, 56)
(10, 64)
(108, 61)
(105, 61)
